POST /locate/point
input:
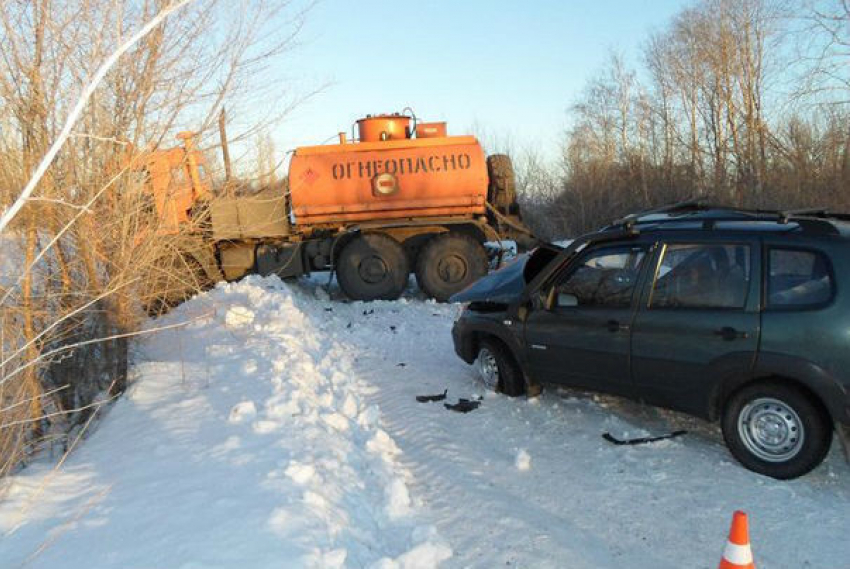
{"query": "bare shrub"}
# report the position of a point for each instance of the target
(86, 240)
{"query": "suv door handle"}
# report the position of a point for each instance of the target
(728, 333)
(615, 326)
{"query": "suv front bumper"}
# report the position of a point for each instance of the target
(462, 339)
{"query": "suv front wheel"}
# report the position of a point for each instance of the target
(497, 368)
(776, 430)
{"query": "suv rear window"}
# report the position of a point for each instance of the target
(702, 276)
(798, 279)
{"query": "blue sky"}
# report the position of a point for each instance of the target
(509, 68)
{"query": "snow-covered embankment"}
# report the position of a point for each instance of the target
(245, 440)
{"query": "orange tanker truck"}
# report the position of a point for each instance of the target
(403, 197)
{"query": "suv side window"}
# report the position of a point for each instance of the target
(702, 276)
(798, 279)
(605, 277)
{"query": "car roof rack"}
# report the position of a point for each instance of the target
(816, 220)
(816, 213)
(692, 204)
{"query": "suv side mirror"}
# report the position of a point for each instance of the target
(564, 300)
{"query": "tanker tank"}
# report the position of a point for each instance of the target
(390, 173)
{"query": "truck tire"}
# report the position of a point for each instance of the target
(502, 190)
(776, 429)
(449, 263)
(373, 267)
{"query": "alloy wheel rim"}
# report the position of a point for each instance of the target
(488, 368)
(771, 429)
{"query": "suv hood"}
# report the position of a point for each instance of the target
(506, 285)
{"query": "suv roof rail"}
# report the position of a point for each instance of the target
(818, 220)
(786, 215)
(695, 204)
(817, 213)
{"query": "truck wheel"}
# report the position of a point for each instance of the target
(449, 263)
(502, 192)
(372, 267)
(498, 370)
(776, 430)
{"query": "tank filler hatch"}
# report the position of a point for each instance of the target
(377, 128)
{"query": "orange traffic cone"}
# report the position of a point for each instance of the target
(738, 554)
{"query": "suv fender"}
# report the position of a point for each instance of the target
(732, 371)
(489, 328)
(502, 331)
(828, 392)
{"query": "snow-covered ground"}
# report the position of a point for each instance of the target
(280, 428)
(11, 260)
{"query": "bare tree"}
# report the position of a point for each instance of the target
(712, 115)
(85, 229)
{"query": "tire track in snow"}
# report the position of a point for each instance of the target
(464, 484)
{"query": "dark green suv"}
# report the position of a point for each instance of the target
(730, 315)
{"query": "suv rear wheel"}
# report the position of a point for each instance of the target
(498, 370)
(776, 430)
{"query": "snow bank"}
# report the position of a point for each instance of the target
(245, 441)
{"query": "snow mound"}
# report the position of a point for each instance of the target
(239, 317)
(423, 556)
(252, 450)
(398, 499)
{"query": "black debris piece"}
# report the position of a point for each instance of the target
(392, 328)
(463, 405)
(349, 325)
(432, 398)
(402, 364)
(329, 309)
(368, 312)
(642, 440)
